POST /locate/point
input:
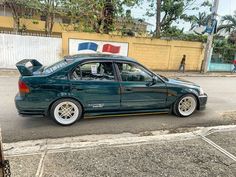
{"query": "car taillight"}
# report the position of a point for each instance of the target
(23, 88)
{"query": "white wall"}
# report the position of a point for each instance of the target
(14, 48)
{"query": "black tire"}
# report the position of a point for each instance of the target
(175, 107)
(75, 117)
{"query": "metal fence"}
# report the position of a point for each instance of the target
(30, 34)
(222, 59)
(14, 48)
(223, 55)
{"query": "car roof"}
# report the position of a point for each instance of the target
(81, 57)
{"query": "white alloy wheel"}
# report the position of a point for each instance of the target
(187, 105)
(66, 113)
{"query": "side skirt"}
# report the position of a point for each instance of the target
(126, 113)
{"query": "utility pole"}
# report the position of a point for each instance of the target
(158, 18)
(207, 54)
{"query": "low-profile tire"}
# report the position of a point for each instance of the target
(185, 106)
(66, 111)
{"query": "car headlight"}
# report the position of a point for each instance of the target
(201, 91)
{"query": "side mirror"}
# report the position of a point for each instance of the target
(153, 82)
(154, 79)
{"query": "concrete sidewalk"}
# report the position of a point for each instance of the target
(15, 73)
(191, 152)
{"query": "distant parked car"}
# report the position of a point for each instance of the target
(101, 84)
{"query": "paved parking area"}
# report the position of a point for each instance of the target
(179, 155)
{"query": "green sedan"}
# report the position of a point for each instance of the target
(101, 84)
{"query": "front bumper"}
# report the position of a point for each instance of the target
(202, 101)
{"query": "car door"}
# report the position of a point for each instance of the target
(136, 90)
(96, 85)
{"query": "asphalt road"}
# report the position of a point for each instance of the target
(222, 98)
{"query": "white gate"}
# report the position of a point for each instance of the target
(14, 48)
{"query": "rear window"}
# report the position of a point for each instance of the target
(52, 68)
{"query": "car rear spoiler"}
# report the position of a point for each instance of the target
(28, 71)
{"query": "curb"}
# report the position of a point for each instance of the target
(31, 147)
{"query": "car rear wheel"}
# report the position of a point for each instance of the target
(66, 111)
(185, 106)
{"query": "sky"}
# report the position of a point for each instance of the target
(225, 7)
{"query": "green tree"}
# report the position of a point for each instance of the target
(49, 9)
(166, 11)
(96, 15)
(232, 37)
(19, 9)
(201, 19)
(23, 8)
(77, 11)
(228, 23)
(169, 11)
(224, 49)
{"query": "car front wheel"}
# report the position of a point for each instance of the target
(185, 106)
(66, 111)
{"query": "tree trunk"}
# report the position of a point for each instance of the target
(49, 24)
(158, 19)
(108, 14)
(16, 24)
(96, 25)
(46, 25)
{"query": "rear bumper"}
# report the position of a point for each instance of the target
(22, 106)
(202, 101)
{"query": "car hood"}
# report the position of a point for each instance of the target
(182, 82)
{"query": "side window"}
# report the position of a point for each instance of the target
(94, 71)
(132, 72)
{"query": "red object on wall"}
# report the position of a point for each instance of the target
(111, 48)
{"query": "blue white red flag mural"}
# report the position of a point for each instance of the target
(77, 46)
(87, 46)
(110, 48)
